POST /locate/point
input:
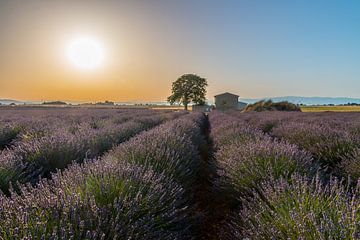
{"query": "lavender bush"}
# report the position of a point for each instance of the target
(300, 209)
(157, 154)
(327, 144)
(7, 134)
(226, 130)
(116, 197)
(246, 165)
(101, 200)
(267, 120)
(350, 166)
(39, 155)
(330, 137)
(156, 181)
(246, 157)
(267, 179)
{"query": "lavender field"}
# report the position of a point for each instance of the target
(87, 173)
(287, 175)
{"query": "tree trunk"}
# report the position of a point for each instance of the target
(186, 106)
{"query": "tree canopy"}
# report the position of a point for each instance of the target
(188, 88)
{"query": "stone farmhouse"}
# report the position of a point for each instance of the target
(228, 101)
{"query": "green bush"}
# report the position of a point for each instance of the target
(272, 106)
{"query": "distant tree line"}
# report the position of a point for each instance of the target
(54, 103)
(110, 103)
(329, 104)
(351, 104)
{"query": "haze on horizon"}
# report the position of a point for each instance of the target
(251, 48)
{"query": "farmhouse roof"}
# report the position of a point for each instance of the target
(227, 93)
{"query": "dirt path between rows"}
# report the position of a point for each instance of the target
(211, 205)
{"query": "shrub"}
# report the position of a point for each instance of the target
(350, 165)
(246, 157)
(265, 180)
(119, 196)
(7, 135)
(226, 130)
(246, 165)
(78, 205)
(299, 209)
(272, 106)
(155, 149)
(37, 156)
(327, 144)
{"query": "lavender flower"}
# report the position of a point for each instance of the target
(39, 153)
(127, 194)
(299, 209)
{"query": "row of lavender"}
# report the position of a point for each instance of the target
(274, 187)
(56, 139)
(333, 139)
(19, 123)
(142, 189)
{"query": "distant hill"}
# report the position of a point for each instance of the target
(308, 100)
(9, 101)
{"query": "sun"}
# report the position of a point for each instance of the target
(85, 53)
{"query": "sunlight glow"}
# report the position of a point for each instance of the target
(85, 53)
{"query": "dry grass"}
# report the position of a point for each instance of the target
(330, 108)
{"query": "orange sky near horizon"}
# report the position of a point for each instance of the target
(34, 64)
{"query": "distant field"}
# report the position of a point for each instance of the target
(330, 109)
(169, 107)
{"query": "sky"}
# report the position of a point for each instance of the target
(253, 48)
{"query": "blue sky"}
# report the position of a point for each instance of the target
(282, 47)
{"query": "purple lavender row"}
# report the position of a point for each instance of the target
(7, 134)
(18, 124)
(38, 157)
(23, 123)
(267, 120)
(299, 208)
(332, 138)
(271, 190)
(140, 190)
(247, 158)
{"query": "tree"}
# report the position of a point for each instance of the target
(188, 88)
